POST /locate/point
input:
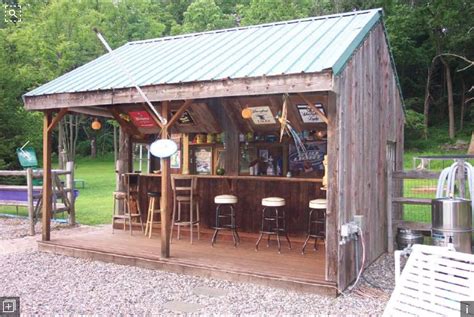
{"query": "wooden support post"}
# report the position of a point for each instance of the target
(31, 207)
(390, 148)
(70, 194)
(332, 212)
(165, 192)
(185, 154)
(46, 212)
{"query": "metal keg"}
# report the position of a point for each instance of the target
(451, 219)
(406, 237)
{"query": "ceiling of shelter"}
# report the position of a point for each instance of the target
(199, 117)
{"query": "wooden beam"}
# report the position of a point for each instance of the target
(314, 108)
(165, 193)
(46, 212)
(57, 118)
(185, 154)
(180, 112)
(92, 111)
(127, 126)
(153, 116)
(294, 83)
(413, 174)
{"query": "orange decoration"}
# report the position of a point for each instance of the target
(96, 125)
(247, 113)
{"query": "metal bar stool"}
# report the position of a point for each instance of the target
(273, 221)
(184, 193)
(221, 217)
(152, 211)
(316, 223)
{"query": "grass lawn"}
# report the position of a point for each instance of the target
(94, 204)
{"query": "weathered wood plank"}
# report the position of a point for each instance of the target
(165, 193)
(31, 207)
(47, 181)
(416, 175)
(414, 201)
(57, 118)
(370, 115)
(422, 226)
(296, 83)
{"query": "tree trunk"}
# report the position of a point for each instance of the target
(449, 87)
(61, 162)
(463, 101)
(426, 106)
(93, 146)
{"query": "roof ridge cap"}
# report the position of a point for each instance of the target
(239, 28)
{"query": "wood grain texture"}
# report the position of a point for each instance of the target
(250, 191)
(289, 270)
(47, 181)
(370, 114)
(295, 83)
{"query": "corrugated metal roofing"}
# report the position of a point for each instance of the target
(291, 47)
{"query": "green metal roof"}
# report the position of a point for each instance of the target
(291, 47)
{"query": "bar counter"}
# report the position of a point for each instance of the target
(250, 190)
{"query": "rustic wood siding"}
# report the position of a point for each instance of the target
(368, 115)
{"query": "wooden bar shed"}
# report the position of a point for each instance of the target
(339, 78)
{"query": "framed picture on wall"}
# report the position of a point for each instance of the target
(263, 154)
(175, 160)
(203, 160)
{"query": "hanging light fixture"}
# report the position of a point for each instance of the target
(96, 125)
(247, 113)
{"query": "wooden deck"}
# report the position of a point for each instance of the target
(290, 269)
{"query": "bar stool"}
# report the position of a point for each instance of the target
(123, 200)
(152, 196)
(273, 221)
(227, 201)
(317, 223)
(184, 193)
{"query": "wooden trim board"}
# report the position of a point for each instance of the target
(176, 266)
(295, 83)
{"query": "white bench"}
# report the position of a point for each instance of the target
(433, 283)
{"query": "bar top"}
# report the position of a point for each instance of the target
(252, 178)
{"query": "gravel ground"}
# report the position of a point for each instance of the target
(53, 284)
(12, 227)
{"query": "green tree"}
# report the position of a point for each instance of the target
(204, 15)
(262, 11)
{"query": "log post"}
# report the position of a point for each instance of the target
(185, 154)
(70, 193)
(165, 192)
(46, 212)
(31, 207)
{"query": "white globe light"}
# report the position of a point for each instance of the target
(163, 148)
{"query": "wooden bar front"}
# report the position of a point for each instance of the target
(250, 190)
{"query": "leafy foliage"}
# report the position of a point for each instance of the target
(55, 36)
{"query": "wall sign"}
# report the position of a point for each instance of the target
(309, 116)
(142, 119)
(262, 115)
(185, 118)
